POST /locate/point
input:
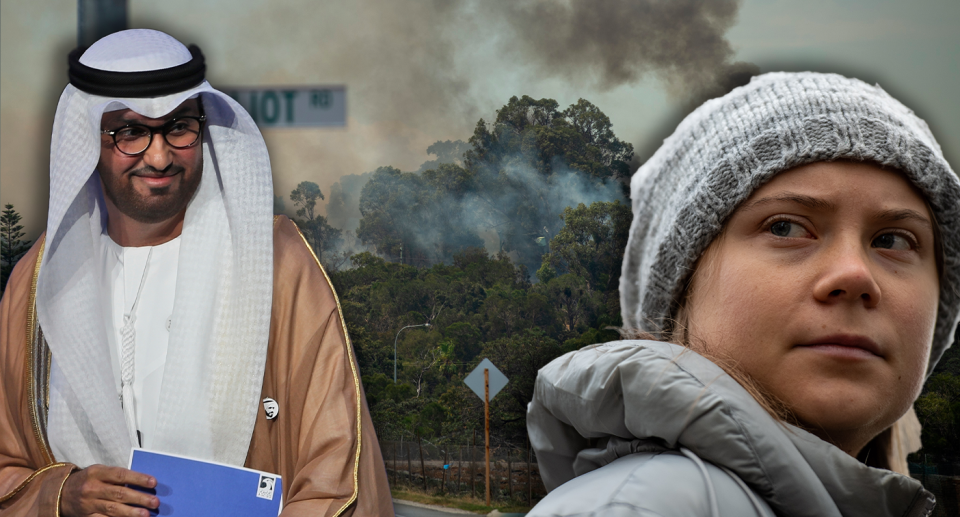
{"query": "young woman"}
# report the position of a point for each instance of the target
(793, 274)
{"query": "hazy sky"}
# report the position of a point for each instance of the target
(419, 71)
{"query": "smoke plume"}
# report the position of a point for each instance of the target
(417, 71)
(436, 65)
(616, 42)
(440, 209)
(343, 210)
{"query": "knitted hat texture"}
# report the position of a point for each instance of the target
(730, 146)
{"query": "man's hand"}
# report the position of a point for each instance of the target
(99, 490)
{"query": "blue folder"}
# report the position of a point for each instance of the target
(188, 487)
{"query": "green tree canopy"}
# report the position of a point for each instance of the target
(419, 213)
(503, 189)
(12, 244)
(938, 409)
(305, 197)
(322, 237)
(532, 161)
(591, 242)
(536, 131)
(478, 306)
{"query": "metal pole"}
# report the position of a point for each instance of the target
(395, 347)
(924, 470)
(509, 472)
(486, 424)
(423, 468)
(529, 485)
(97, 18)
(443, 477)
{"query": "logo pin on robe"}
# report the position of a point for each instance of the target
(271, 408)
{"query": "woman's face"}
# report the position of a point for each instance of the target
(824, 289)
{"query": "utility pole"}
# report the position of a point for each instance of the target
(97, 18)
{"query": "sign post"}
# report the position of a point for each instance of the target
(486, 425)
(486, 381)
(98, 18)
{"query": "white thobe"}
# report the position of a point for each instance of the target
(123, 269)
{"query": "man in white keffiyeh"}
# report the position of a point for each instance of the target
(165, 306)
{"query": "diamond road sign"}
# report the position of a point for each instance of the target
(475, 380)
(295, 106)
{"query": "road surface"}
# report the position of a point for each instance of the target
(407, 509)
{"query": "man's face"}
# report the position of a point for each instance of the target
(156, 185)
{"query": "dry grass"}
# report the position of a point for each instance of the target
(470, 504)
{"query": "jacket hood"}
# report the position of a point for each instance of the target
(669, 396)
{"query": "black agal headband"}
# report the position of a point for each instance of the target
(151, 83)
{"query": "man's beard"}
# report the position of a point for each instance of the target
(162, 204)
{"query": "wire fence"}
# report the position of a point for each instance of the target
(459, 469)
(943, 479)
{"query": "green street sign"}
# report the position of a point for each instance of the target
(294, 106)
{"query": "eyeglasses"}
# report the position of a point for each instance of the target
(179, 133)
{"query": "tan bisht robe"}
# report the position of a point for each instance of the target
(322, 441)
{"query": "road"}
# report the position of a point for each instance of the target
(405, 509)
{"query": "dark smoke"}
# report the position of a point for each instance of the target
(602, 44)
(615, 42)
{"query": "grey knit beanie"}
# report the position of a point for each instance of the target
(729, 146)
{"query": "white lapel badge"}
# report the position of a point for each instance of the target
(271, 408)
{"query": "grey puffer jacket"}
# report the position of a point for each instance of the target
(652, 429)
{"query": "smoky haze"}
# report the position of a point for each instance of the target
(343, 210)
(486, 215)
(417, 71)
(598, 44)
(615, 42)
